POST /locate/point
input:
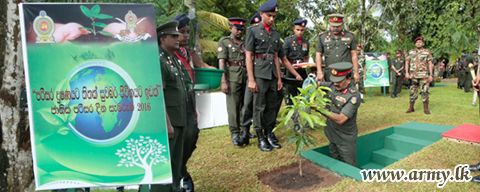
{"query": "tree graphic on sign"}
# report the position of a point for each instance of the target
(144, 153)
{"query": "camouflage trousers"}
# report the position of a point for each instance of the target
(424, 89)
(361, 85)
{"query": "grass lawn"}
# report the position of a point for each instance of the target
(217, 165)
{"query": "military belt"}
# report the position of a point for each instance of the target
(264, 56)
(237, 63)
(295, 61)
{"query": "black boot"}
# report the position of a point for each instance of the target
(188, 183)
(244, 139)
(473, 168)
(275, 139)
(262, 142)
(235, 140)
(270, 139)
(476, 179)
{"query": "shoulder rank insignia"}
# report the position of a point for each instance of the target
(341, 99)
(352, 90)
(344, 91)
(354, 100)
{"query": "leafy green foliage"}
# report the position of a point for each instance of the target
(309, 98)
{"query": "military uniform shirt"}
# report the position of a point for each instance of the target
(259, 41)
(419, 63)
(471, 59)
(175, 88)
(295, 50)
(230, 50)
(346, 102)
(399, 63)
(336, 49)
(191, 105)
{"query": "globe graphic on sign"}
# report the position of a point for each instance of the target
(101, 120)
(377, 71)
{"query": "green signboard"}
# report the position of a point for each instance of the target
(376, 70)
(96, 108)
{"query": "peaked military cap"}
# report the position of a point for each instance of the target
(269, 6)
(418, 38)
(359, 47)
(474, 51)
(169, 28)
(182, 19)
(464, 55)
(398, 51)
(335, 19)
(340, 70)
(300, 22)
(256, 18)
(237, 22)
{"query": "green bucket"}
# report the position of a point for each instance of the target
(207, 79)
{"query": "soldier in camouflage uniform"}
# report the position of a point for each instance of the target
(419, 68)
(361, 66)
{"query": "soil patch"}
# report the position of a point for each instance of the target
(288, 179)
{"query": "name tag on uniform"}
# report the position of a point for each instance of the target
(327, 40)
(345, 38)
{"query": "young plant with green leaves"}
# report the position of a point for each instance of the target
(310, 99)
(93, 14)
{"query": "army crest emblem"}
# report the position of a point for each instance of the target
(132, 33)
(334, 72)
